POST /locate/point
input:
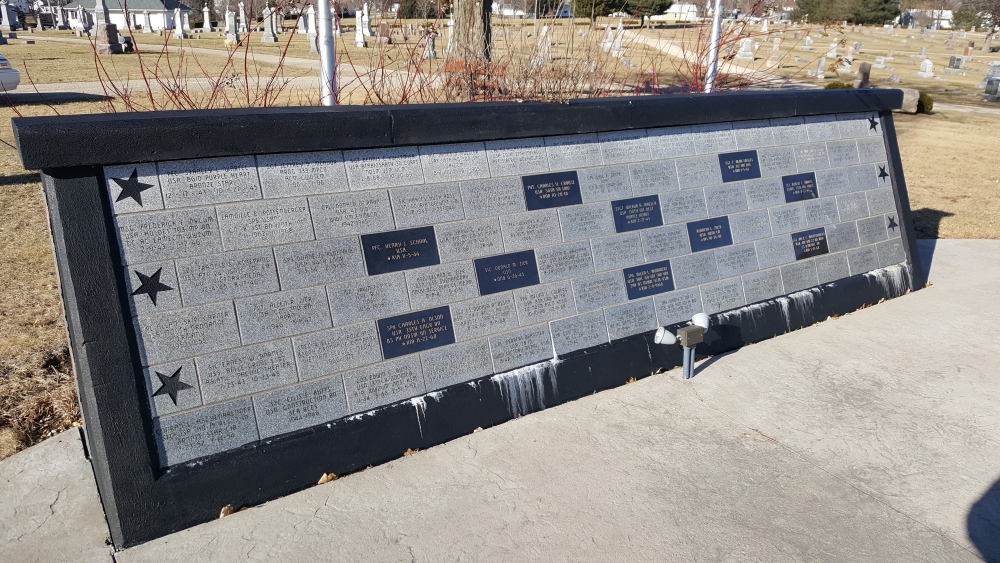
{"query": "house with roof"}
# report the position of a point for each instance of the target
(161, 13)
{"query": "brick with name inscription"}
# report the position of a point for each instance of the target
(276, 315)
(383, 383)
(709, 233)
(861, 260)
(579, 332)
(337, 349)
(637, 213)
(512, 350)
(164, 235)
(426, 205)
(564, 261)
(311, 173)
(351, 213)
(761, 286)
(789, 131)
(456, 364)
(454, 162)
(567, 152)
(599, 290)
(809, 243)
(670, 142)
(245, 370)
(200, 432)
(655, 177)
(665, 242)
(799, 276)
(832, 267)
(186, 332)
(799, 187)
(300, 406)
(634, 317)
(542, 303)
(491, 314)
(368, 298)
(391, 167)
(723, 295)
(506, 272)
(511, 157)
(208, 180)
(619, 147)
(319, 262)
(437, 285)
(264, 223)
(736, 166)
(677, 306)
(648, 279)
(604, 183)
(753, 134)
(394, 251)
(530, 229)
(494, 196)
(468, 239)
(415, 332)
(227, 276)
(557, 189)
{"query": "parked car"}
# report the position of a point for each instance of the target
(9, 76)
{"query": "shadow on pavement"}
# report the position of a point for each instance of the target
(983, 524)
(927, 224)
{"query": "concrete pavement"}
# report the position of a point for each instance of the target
(871, 437)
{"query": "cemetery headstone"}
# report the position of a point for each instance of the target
(147, 24)
(923, 53)
(366, 21)
(206, 25)
(991, 93)
(268, 35)
(300, 24)
(543, 48)
(746, 49)
(429, 50)
(807, 43)
(242, 28)
(311, 25)
(232, 36)
(864, 76)
(832, 52)
(383, 34)
(879, 63)
(8, 23)
(955, 63)
(107, 32)
(179, 25)
(359, 34)
(821, 68)
(926, 69)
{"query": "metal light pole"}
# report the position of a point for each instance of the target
(327, 56)
(713, 48)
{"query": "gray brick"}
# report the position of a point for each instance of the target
(579, 332)
(761, 286)
(145, 174)
(209, 180)
(811, 157)
(586, 221)
(655, 177)
(383, 383)
(863, 177)
(872, 230)
(153, 237)
(872, 149)
(264, 223)
(819, 212)
(618, 147)
(723, 295)
(183, 333)
(425, 205)
(301, 406)
(246, 370)
(456, 364)
(751, 225)
(842, 236)
(852, 206)
(677, 306)
(310, 173)
(884, 175)
(163, 404)
(665, 242)
(864, 259)
(520, 348)
(779, 161)
(832, 267)
(753, 134)
(600, 290)
(359, 213)
(206, 431)
(454, 162)
(842, 153)
(540, 303)
(670, 142)
(694, 269)
(789, 131)
(338, 349)
(764, 192)
(391, 167)
(368, 298)
(276, 315)
(564, 261)
(799, 276)
(438, 285)
(713, 138)
(736, 260)
(617, 251)
(486, 315)
(227, 276)
(319, 262)
(605, 183)
(492, 197)
(834, 181)
(881, 201)
(822, 128)
(890, 252)
(852, 125)
(569, 152)
(634, 317)
(469, 239)
(514, 157)
(685, 205)
(529, 230)
(893, 226)
(787, 218)
(725, 199)
(699, 171)
(165, 299)
(774, 251)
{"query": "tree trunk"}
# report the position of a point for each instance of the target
(473, 30)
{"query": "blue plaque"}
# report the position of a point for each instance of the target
(405, 249)
(506, 271)
(637, 213)
(810, 243)
(709, 233)
(648, 279)
(415, 332)
(799, 187)
(738, 166)
(542, 191)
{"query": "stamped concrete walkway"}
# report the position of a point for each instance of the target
(872, 437)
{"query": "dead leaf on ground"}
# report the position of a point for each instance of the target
(326, 478)
(411, 452)
(226, 511)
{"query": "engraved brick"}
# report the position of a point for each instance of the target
(822, 128)
(863, 177)
(437, 285)
(751, 225)
(351, 214)
(128, 195)
(779, 161)
(425, 205)
(404, 249)
(469, 239)
(579, 332)
(227, 276)
(789, 131)
(883, 174)
(311, 173)
(164, 235)
(654, 177)
(834, 181)
(819, 212)
(699, 171)
(842, 236)
(890, 252)
(832, 267)
(872, 149)
(187, 397)
(383, 384)
(569, 152)
(165, 299)
(514, 157)
(454, 162)
(753, 134)
(564, 261)
(368, 298)
(319, 262)
(338, 349)
(619, 147)
(492, 197)
(799, 276)
(723, 295)
(301, 406)
(670, 142)
(842, 153)
(852, 206)
(201, 432)
(264, 223)
(677, 306)
(520, 348)
(764, 192)
(725, 199)
(635, 317)
(540, 303)
(528, 230)
(600, 290)
(872, 230)
(617, 251)
(735, 260)
(183, 333)
(864, 259)
(694, 269)
(276, 315)
(586, 221)
(246, 370)
(209, 180)
(811, 157)
(666, 242)
(761, 286)
(684, 205)
(391, 167)
(787, 218)
(892, 224)
(774, 251)
(456, 364)
(852, 125)
(713, 138)
(608, 182)
(881, 201)
(485, 315)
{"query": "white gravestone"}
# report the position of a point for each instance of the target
(359, 34)
(821, 68)
(147, 26)
(926, 69)
(311, 26)
(366, 22)
(242, 28)
(746, 49)
(207, 24)
(268, 36)
(178, 24)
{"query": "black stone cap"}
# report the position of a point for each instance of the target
(44, 142)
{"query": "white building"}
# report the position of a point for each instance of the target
(678, 13)
(161, 12)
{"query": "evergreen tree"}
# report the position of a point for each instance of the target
(638, 8)
(874, 11)
(821, 11)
